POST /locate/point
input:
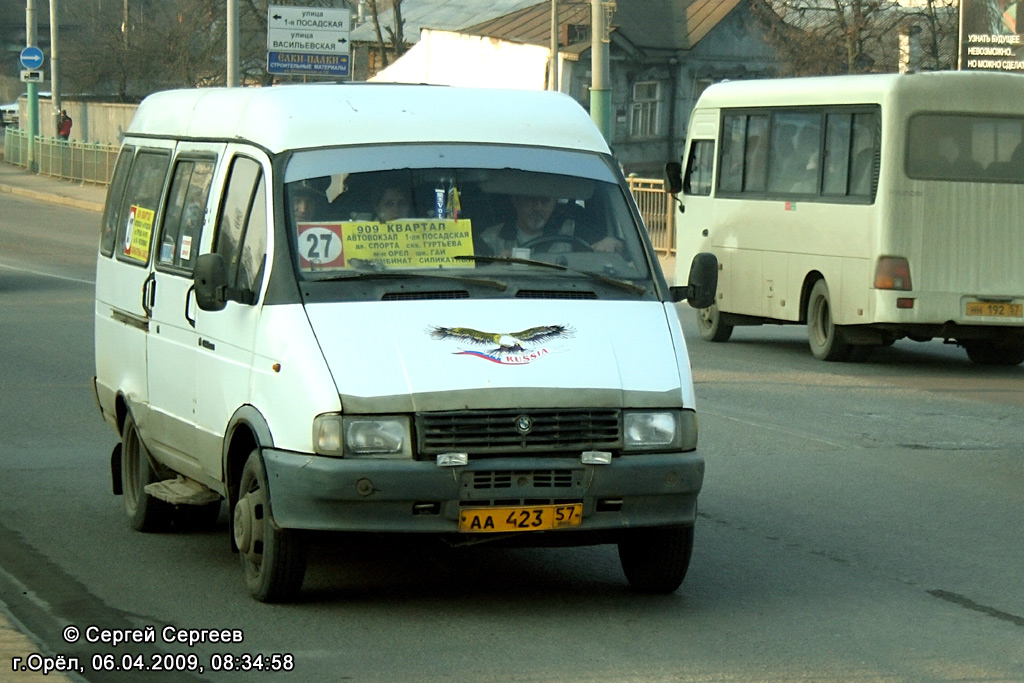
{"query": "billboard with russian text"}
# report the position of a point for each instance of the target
(990, 35)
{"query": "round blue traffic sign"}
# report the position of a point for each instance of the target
(32, 57)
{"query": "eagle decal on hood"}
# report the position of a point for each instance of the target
(507, 348)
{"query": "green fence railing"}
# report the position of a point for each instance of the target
(89, 162)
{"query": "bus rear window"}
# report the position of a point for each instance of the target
(965, 148)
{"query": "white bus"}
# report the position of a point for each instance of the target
(870, 208)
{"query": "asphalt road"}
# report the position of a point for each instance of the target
(859, 522)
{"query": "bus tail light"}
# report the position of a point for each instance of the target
(893, 272)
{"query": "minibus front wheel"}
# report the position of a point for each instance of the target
(655, 559)
(273, 559)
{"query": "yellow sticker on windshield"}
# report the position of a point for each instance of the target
(138, 233)
(407, 243)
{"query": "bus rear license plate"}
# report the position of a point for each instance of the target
(527, 518)
(995, 309)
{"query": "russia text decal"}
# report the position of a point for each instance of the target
(505, 348)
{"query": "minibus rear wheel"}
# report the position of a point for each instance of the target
(989, 352)
(273, 559)
(709, 322)
(827, 340)
(655, 559)
(145, 512)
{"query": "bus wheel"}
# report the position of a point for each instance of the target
(827, 340)
(988, 352)
(145, 512)
(655, 560)
(709, 322)
(273, 559)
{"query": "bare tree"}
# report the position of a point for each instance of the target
(134, 47)
(935, 27)
(396, 32)
(816, 37)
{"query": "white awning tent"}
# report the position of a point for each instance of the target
(457, 59)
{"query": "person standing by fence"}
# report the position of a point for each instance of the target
(64, 128)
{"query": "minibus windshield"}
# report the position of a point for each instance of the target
(471, 211)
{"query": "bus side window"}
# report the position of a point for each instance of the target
(699, 167)
(864, 164)
(795, 153)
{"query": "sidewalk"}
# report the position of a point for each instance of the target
(14, 643)
(17, 181)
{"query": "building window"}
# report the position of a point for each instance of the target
(644, 121)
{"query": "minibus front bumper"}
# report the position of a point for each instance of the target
(348, 494)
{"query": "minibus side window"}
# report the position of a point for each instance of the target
(242, 227)
(865, 156)
(254, 246)
(185, 212)
(699, 168)
(795, 152)
(755, 165)
(731, 164)
(111, 215)
(138, 210)
(838, 130)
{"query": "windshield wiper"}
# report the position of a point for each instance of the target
(622, 284)
(379, 272)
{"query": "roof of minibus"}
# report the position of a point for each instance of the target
(947, 90)
(306, 116)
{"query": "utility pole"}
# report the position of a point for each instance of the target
(600, 91)
(232, 43)
(54, 61)
(33, 88)
(553, 71)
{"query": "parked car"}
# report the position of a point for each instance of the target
(9, 114)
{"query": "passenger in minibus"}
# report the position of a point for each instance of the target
(537, 223)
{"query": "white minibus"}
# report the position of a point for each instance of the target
(871, 208)
(392, 309)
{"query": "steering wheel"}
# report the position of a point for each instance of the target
(556, 239)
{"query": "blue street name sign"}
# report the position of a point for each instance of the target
(32, 57)
(283, 63)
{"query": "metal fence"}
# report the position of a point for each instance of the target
(658, 211)
(85, 161)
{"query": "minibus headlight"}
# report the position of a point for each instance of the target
(363, 436)
(659, 430)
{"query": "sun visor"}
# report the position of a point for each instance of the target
(513, 182)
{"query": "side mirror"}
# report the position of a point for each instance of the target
(673, 177)
(703, 284)
(211, 278)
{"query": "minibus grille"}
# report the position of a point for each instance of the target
(420, 296)
(537, 479)
(497, 432)
(553, 294)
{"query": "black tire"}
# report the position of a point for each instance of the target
(145, 512)
(989, 352)
(273, 559)
(827, 340)
(709, 322)
(655, 560)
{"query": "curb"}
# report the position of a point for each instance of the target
(51, 198)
